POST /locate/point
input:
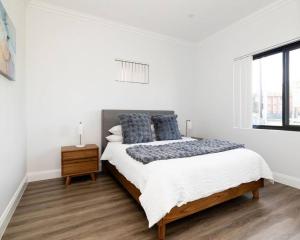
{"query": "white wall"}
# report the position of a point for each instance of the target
(70, 72)
(215, 85)
(71, 77)
(12, 116)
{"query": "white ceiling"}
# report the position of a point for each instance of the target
(191, 20)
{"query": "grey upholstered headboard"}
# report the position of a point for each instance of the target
(110, 118)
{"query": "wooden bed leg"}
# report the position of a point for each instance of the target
(255, 194)
(161, 230)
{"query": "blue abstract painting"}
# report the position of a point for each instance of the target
(7, 45)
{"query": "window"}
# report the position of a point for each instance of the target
(276, 88)
(294, 87)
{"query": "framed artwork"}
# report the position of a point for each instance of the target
(133, 72)
(7, 45)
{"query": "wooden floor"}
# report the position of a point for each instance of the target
(103, 210)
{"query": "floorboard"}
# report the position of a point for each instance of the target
(89, 210)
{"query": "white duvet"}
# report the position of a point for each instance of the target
(168, 183)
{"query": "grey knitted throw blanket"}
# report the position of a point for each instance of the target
(150, 153)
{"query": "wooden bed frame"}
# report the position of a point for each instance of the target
(186, 209)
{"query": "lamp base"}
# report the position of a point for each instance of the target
(80, 146)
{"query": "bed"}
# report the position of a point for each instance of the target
(173, 189)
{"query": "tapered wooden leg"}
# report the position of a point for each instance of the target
(93, 176)
(161, 230)
(68, 180)
(255, 194)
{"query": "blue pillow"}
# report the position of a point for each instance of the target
(166, 127)
(136, 128)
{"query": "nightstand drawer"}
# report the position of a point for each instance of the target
(80, 166)
(80, 154)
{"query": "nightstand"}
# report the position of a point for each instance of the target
(79, 161)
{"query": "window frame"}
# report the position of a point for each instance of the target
(285, 50)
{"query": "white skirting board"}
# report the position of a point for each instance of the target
(11, 207)
(43, 175)
(56, 173)
(287, 180)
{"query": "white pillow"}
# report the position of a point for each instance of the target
(114, 138)
(116, 130)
